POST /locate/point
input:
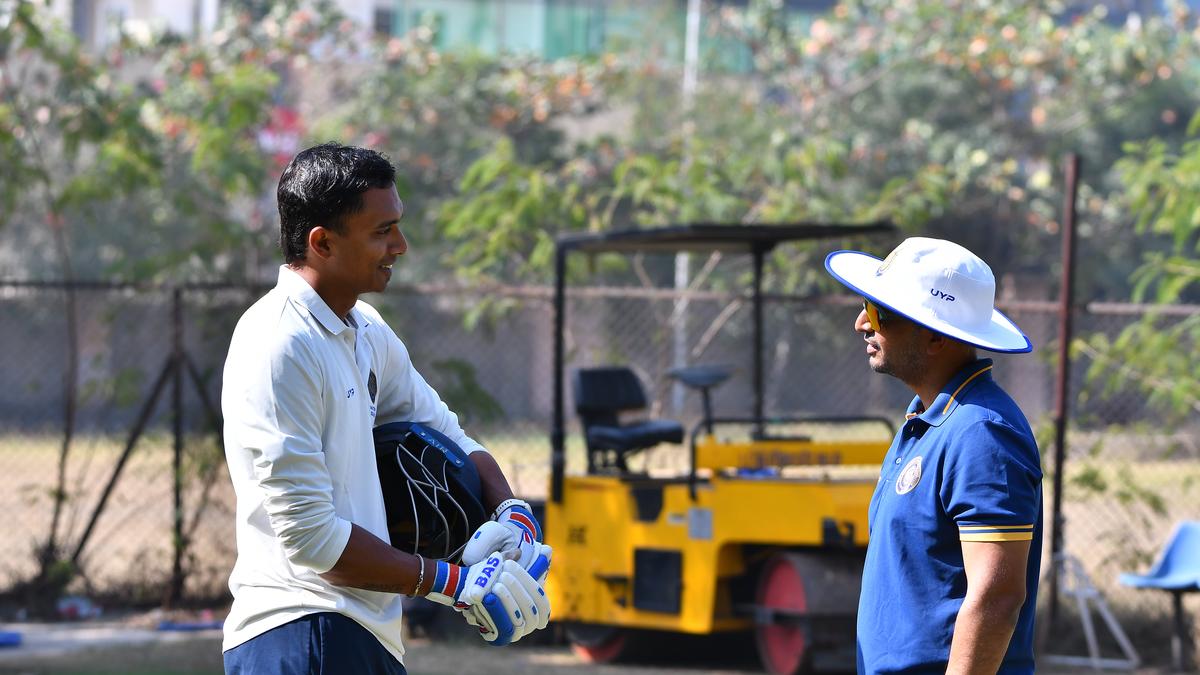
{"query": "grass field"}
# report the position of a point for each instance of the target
(131, 545)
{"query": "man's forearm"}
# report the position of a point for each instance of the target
(494, 484)
(982, 632)
(371, 564)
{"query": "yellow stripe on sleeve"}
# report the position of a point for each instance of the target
(972, 528)
(997, 536)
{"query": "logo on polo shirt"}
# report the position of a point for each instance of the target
(909, 477)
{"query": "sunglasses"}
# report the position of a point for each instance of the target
(875, 315)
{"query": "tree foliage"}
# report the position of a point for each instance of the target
(1157, 355)
(949, 118)
(436, 114)
(145, 157)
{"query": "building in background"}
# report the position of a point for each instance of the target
(553, 29)
(98, 23)
(548, 29)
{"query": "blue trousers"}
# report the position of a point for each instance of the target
(327, 643)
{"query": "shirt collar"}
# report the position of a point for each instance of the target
(952, 394)
(296, 288)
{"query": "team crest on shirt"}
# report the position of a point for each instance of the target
(909, 477)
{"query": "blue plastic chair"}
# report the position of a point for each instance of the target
(1177, 571)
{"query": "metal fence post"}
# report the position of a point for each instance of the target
(1062, 381)
(175, 589)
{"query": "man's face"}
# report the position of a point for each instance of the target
(369, 243)
(897, 348)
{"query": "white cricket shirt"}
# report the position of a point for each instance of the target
(298, 414)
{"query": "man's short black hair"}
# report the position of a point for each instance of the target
(321, 186)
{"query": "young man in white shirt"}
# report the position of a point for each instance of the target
(311, 370)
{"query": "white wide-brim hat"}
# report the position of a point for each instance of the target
(937, 284)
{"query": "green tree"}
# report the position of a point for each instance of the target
(207, 103)
(1157, 354)
(436, 113)
(949, 118)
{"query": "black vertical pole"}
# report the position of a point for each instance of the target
(759, 255)
(176, 589)
(138, 427)
(1062, 384)
(557, 434)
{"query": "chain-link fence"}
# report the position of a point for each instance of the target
(1130, 475)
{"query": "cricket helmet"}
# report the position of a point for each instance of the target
(431, 490)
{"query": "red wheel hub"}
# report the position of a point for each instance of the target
(781, 646)
(596, 644)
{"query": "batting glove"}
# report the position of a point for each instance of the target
(515, 514)
(492, 536)
(461, 586)
(512, 528)
(517, 604)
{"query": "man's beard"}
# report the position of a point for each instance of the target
(902, 361)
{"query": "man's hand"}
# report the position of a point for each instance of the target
(497, 595)
(511, 528)
(492, 536)
(516, 514)
(995, 594)
(461, 586)
(517, 604)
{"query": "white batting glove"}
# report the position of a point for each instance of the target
(493, 536)
(517, 604)
(517, 514)
(461, 586)
(512, 528)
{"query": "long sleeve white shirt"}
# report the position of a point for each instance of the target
(299, 403)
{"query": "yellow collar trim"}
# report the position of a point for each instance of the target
(960, 388)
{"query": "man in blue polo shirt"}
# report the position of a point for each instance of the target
(950, 581)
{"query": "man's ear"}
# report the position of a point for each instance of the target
(319, 242)
(935, 343)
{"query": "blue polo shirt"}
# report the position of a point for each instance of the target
(966, 469)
